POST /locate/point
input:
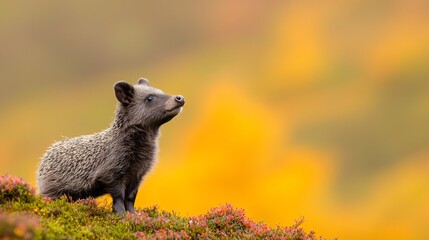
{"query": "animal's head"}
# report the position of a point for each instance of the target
(146, 105)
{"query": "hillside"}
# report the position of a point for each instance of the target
(25, 215)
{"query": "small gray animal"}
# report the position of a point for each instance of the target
(115, 160)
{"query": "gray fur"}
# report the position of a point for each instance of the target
(115, 160)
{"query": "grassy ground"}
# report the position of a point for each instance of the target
(25, 215)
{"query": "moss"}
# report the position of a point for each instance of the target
(24, 215)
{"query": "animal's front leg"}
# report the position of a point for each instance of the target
(130, 197)
(118, 195)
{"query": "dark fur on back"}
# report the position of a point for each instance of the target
(115, 160)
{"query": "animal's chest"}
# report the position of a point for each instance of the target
(138, 163)
(138, 154)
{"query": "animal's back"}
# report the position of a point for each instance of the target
(67, 165)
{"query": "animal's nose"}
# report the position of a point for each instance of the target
(179, 99)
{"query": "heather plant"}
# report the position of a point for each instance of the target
(18, 226)
(15, 188)
(25, 215)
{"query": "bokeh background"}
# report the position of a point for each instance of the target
(294, 108)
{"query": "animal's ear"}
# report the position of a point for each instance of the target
(143, 81)
(124, 92)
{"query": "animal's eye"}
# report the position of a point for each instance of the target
(150, 98)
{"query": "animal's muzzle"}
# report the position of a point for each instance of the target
(180, 99)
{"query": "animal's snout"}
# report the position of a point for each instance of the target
(174, 102)
(179, 99)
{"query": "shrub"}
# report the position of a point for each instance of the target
(23, 215)
(229, 222)
(18, 226)
(163, 234)
(13, 188)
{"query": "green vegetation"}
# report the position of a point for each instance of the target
(25, 215)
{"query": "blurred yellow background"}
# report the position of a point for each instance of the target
(294, 108)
